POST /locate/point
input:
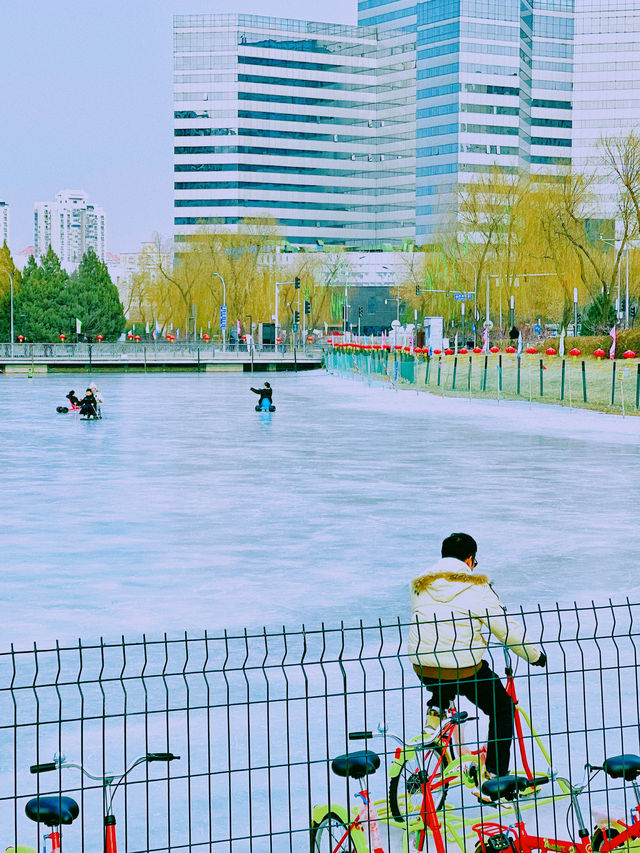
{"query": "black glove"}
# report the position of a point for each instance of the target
(542, 660)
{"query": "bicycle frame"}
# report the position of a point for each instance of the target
(625, 832)
(523, 842)
(451, 731)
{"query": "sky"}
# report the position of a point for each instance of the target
(86, 103)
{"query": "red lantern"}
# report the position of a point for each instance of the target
(130, 336)
(62, 337)
(437, 352)
(279, 341)
(463, 351)
(137, 339)
(628, 354)
(477, 350)
(599, 353)
(309, 340)
(206, 337)
(448, 351)
(574, 352)
(510, 350)
(550, 351)
(99, 338)
(494, 349)
(532, 350)
(20, 338)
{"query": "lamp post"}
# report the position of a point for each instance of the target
(475, 295)
(11, 308)
(626, 298)
(575, 311)
(223, 311)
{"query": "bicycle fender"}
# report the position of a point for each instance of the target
(320, 812)
(399, 760)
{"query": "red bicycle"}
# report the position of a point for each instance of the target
(57, 811)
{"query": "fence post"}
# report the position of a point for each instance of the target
(89, 358)
(613, 383)
(541, 379)
(584, 382)
(439, 369)
(500, 372)
(484, 378)
(426, 373)
(638, 388)
(518, 379)
(562, 382)
(471, 363)
(455, 369)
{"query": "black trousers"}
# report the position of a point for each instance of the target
(488, 693)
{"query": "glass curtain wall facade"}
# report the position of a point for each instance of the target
(606, 84)
(488, 92)
(311, 124)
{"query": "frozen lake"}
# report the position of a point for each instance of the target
(184, 509)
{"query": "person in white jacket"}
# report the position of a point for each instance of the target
(451, 608)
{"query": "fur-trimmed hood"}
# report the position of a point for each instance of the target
(447, 579)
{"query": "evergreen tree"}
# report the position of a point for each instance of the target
(600, 316)
(93, 299)
(40, 305)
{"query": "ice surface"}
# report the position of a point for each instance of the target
(184, 509)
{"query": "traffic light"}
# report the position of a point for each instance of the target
(633, 310)
(417, 290)
(360, 311)
(307, 307)
(296, 283)
(296, 317)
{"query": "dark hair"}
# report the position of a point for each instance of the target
(266, 385)
(459, 545)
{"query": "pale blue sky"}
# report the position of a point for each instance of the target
(85, 103)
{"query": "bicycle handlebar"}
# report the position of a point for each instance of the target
(43, 768)
(161, 756)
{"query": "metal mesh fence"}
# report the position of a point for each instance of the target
(257, 717)
(598, 384)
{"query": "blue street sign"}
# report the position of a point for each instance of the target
(460, 297)
(537, 328)
(223, 316)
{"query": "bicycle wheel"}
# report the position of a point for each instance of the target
(405, 789)
(601, 835)
(332, 835)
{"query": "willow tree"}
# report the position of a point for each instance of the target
(572, 214)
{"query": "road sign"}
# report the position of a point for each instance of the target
(461, 295)
(223, 316)
(537, 329)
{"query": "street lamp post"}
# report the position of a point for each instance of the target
(11, 309)
(626, 299)
(575, 311)
(223, 329)
(475, 295)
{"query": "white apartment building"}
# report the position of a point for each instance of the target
(4, 223)
(70, 225)
(606, 99)
(310, 124)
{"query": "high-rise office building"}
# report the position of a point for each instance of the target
(606, 100)
(71, 226)
(312, 124)
(4, 223)
(493, 89)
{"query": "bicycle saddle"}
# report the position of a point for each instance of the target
(356, 764)
(52, 811)
(626, 767)
(508, 787)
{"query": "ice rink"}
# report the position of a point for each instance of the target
(184, 509)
